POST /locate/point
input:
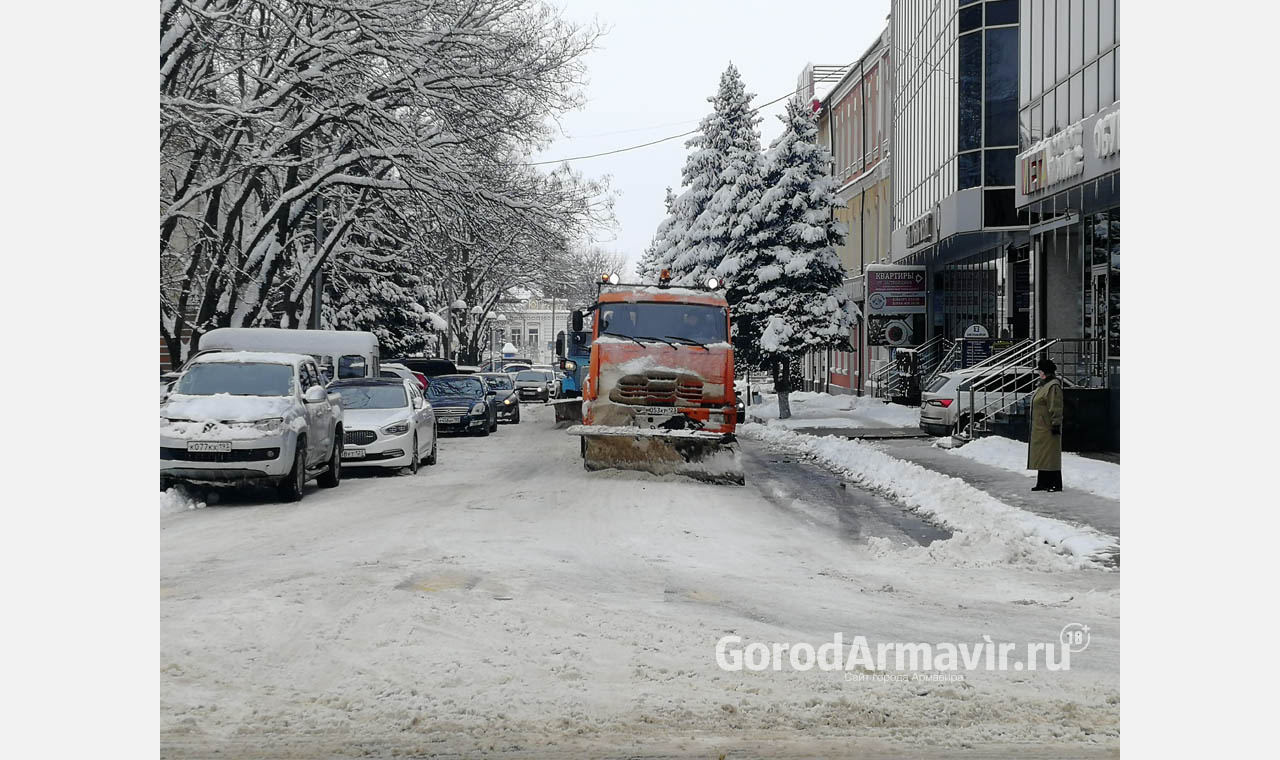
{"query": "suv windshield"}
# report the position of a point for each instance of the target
(455, 386)
(237, 378)
(500, 382)
(681, 321)
(372, 396)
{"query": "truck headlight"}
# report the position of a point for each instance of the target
(399, 428)
(479, 408)
(568, 365)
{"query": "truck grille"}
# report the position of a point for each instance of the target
(657, 388)
(359, 437)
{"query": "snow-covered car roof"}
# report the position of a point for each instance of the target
(261, 357)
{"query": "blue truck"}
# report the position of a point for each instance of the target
(573, 351)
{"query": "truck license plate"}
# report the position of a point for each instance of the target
(352, 453)
(208, 445)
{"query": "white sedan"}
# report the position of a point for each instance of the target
(389, 423)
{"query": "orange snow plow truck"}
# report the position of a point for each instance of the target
(659, 396)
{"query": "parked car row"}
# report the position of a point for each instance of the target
(278, 419)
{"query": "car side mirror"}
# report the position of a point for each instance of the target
(417, 403)
(315, 395)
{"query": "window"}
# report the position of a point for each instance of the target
(1077, 34)
(1002, 12)
(1106, 81)
(351, 365)
(970, 18)
(999, 167)
(1077, 97)
(1050, 37)
(533, 336)
(1064, 39)
(1037, 128)
(970, 117)
(1063, 108)
(310, 376)
(1091, 90)
(1001, 86)
(1090, 21)
(969, 169)
(998, 209)
(1035, 48)
(1024, 55)
(1106, 24)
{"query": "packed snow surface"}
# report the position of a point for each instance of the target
(507, 603)
(1006, 533)
(1101, 478)
(811, 409)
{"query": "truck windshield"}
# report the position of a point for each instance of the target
(657, 321)
(237, 378)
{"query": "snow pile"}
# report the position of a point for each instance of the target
(1101, 478)
(999, 532)
(811, 409)
(178, 500)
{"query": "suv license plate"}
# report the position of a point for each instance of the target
(352, 453)
(208, 445)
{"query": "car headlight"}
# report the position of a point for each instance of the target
(269, 425)
(399, 428)
(506, 401)
(479, 408)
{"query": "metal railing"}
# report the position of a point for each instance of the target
(949, 361)
(1002, 387)
(890, 382)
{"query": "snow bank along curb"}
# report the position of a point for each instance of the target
(951, 501)
(817, 409)
(1100, 478)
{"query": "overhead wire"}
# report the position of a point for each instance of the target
(757, 109)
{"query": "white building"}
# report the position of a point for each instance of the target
(531, 325)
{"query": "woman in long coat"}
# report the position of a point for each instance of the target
(1044, 453)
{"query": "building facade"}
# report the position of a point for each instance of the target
(1068, 173)
(955, 133)
(531, 325)
(855, 128)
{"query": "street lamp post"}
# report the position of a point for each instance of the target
(501, 319)
(476, 312)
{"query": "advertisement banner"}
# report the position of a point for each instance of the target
(896, 289)
(896, 305)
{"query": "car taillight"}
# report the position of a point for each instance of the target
(941, 401)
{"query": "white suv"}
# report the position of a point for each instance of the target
(242, 416)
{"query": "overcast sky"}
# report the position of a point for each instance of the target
(659, 62)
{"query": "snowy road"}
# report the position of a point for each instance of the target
(505, 602)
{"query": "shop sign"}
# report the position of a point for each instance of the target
(1083, 151)
(921, 230)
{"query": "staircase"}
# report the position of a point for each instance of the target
(892, 384)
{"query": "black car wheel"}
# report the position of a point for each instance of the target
(333, 476)
(435, 439)
(291, 487)
(413, 456)
(515, 419)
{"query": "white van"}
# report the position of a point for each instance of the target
(341, 353)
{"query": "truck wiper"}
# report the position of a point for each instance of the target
(650, 337)
(691, 342)
(620, 335)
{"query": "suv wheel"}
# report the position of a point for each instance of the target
(291, 487)
(333, 476)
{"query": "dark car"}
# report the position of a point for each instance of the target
(463, 404)
(507, 402)
(533, 384)
(428, 367)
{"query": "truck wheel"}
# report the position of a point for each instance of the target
(333, 476)
(291, 487)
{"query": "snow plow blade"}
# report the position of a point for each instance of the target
(568, 411)
(709, 457)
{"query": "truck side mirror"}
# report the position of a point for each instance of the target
(560, 344)
(577, 321)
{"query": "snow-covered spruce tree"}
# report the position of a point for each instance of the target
(725, 161)
(784, 275)
(651, 263)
